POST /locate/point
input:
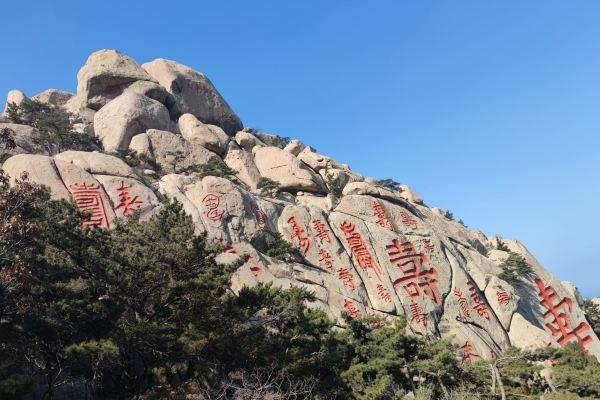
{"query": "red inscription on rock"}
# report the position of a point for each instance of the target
(468, 352)
(408, 220)
(299, 234)
(322, 231)
(214, 212)
(256, 270)
(480, 305)
(346, 278)
(503, 297)
(383, 293)
(259, 215)
(353, 312)
(325, 258)
(416, 280)
(359, 249)
(418, 316)
(88, 197)
(126, 202)
(428, 245)
(462, 301)
(382, 219)
(559, 314)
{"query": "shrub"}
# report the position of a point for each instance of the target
(54, 131)
(515, 268)
(500, 245)
(268, 187)
(216, 167)
(389, 184)
(281, 249)
(333, 184)
(449, 215)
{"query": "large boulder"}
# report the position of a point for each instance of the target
(126, 116)
(14, 96)
(210, 137)
(55, 97)
(242, 162)
(23, 135)
(40, 169)
(97, 163)
(173, 154)
(285, 169)
(194, 93)
(105, 75)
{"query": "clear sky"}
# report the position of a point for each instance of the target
(488, 109)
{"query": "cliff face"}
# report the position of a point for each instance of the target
(367, 249)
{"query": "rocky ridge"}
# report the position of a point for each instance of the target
(368, 250)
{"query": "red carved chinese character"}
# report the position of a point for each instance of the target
(480, 306)
(325, 258)
(559, 311)
(300, 234)
(347, 278)
(503, 297)
(88, 197)
(383, 293)
(418, 316)
(126, 202)
(259, 215)
(353, 312)
(416, 280)
(462, 301)
(428, 245)
(468, 352)
(322, 231)
(212, 201)
(408, 220)
(359, 249)
(256, 270)
(382, 219)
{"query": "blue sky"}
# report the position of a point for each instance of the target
(488, 109)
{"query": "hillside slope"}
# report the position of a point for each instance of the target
(367, 247)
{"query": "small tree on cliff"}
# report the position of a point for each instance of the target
(54, 131)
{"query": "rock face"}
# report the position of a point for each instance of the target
(194, 93)
(105, 75)
(367, 250)
(126, 116)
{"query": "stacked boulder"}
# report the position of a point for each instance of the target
(367, 250)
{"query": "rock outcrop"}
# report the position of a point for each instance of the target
(367, 250)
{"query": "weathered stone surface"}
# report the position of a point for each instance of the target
(152, 90)
(56, 97)
(40, 169)
(105, 75)
(141, 144)
(129, 196)
(194, 93)
(294, 147)
(285, 169)
(23, 136)
(126, 116)
(573, 291)
(97, 163)
(210, 137)
(173, 186)
(242, 162)
(367, 250)
(14, 96)
(368, 189)
(247, 141)
(174, 154)
(76, 179)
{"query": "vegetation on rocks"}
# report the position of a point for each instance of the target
(53, 127)
(515, 268)
(143, 311)
(268, 187)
